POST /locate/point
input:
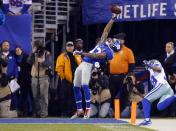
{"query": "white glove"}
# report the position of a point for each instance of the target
(145, 62)
(76, 52)
(97, 64)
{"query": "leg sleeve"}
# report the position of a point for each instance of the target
(78, 76)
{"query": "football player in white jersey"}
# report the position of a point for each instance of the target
(161, 90)
(16, 7)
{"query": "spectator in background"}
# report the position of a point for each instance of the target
(5, 92)
(100, 94)
(66, 65)
(169, 62)
(79, 43)
(24, 81)
(16, 7)
(12, 57)
(121, 64)
(134, 90)
(40, 60)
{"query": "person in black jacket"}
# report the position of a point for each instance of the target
(168, 61)
(24, 81)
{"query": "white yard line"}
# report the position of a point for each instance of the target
(112, 128)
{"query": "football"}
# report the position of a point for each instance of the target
(115, 9)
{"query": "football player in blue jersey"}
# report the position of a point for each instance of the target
(102, 52)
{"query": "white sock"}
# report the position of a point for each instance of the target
(79, 109)
(147, 119)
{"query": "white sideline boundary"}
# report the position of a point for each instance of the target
(159, 124)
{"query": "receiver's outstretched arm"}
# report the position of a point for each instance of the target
(108, 28)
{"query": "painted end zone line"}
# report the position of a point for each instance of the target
(60, 121)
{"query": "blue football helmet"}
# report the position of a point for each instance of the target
(116, 45)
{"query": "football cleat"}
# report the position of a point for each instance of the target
(87, 114)
(145, 123)
(77, 114)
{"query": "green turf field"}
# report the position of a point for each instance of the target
(70, 127)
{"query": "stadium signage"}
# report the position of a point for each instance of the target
(143, 11)
(18, 31)
(132, 10)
